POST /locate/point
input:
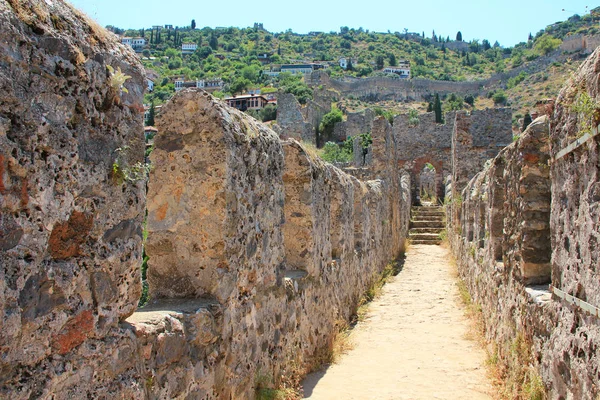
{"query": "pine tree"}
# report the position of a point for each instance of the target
(429, 107)
(193, 24)
(349, 67)
(152, 36)
(437, 109)
(459, 37)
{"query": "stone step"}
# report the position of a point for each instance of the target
(427, 224)
(421, 217)
(426, 242)
(426, 230)
(424, 236)
(436, 213)
(427, 209)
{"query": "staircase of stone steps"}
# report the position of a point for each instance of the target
(426, 224)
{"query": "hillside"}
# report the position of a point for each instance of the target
(240, 57)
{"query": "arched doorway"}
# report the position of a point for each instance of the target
(427, 188)
(427, 180)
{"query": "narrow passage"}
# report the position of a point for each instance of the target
(414, 343)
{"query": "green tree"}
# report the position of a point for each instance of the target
(193, 24)
(213, 42)
(334, 153)
(379, 62)
(239, 85)
(526, 121)
(499, 97)
(328, 122)
(437, 109)
(392, 58)
(546, 44)
(151, 114)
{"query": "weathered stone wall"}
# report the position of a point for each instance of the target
(531, 218)
(70, 224)
(572, 351)
(273, 239)
(425, 142)
(500, 234)
(459, 147)
(419, 89)
(476, 138)
(291, 122)
(582, 43)
(236, 293)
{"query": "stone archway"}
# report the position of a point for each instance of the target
(417, 174)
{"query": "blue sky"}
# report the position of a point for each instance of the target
(508, 21)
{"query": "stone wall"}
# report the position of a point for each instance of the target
(374, 89)
(71, 206)
(476, 137)
(529, 219)
(580, 43)
(572, 350)
(257, 250)
(291, 122)
(257, 229)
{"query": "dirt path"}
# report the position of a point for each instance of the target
(413, 344)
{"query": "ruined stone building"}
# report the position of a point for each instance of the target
(258, 250)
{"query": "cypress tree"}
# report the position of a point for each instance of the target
(459, 37)
(151, 113)
(437, 109)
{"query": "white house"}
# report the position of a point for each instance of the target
(188, 48)
(345, 61)
(150, 83)
(403, 72)
(136, 43)
(210, 85)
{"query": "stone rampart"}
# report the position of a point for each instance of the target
(580, 43)
(72, 201)
(277, 241)
(530, 219)
(257, 250)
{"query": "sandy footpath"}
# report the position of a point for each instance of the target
(413, 344)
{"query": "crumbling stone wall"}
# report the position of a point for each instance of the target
(292, 242)
(422, 143)
(459, 147)
(229, 301)
(70, 219)
(582, 43)
(476, 138)
(500, 233)
(572, 354)
(531, 218)
(291, 123)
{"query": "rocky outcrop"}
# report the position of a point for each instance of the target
(70, 219)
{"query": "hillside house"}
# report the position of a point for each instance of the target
(247, 102)
(343, 62)
(210, 85)
(137, 43)
(188, 48)
(402, 70)
(292, 69)
(264, 58)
